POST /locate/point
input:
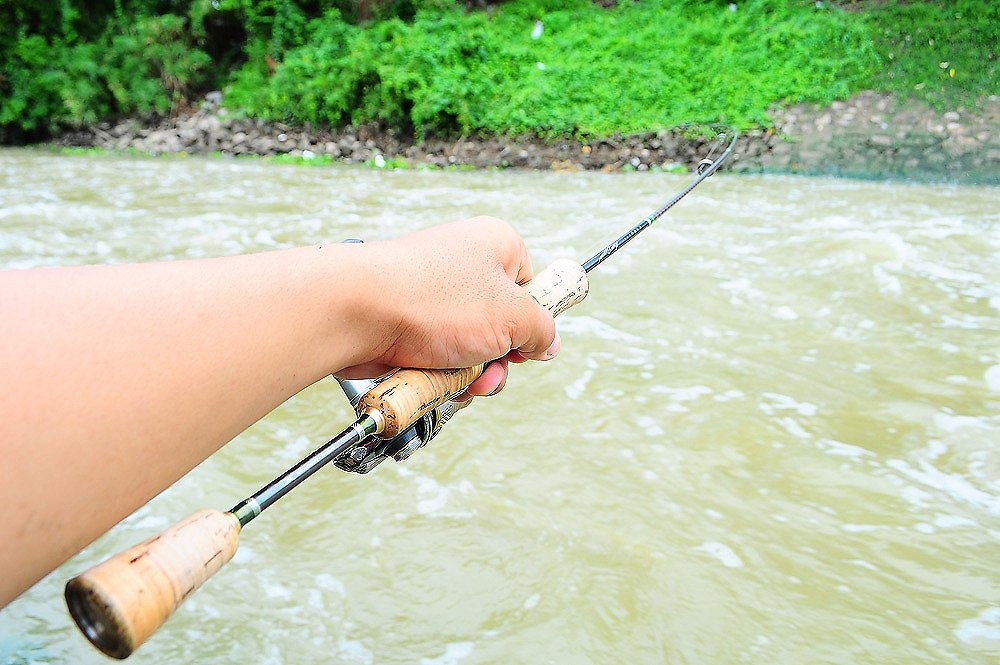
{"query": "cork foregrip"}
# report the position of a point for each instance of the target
(119, 603)
(407, 395)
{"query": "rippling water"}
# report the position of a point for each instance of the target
(773, 435)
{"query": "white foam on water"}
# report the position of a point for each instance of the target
(275, 590)
(915, 496)
(354, 651)
(453, 654)
(532, 601)
(588, 326)
(328, 582)
(151, 523)
(721, 552)
(992, 378)
(741, 287)
(863, 564)
(936, 272)
(794, 428)
(841, 449)
(729, 396)
(683, 393)
(949, 422)
(576, 389)
(435, 495)
(887, 283)
(773, 402)
(953, 521)
(859, 528)
(245, 554)
(784, 313)
(985, 627)
(649, 426)
(952, 485)
(264, 237)
(295, 449)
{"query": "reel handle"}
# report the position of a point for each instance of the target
(119, 603)
(406, 395)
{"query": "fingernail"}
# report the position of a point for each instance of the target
(553, 349)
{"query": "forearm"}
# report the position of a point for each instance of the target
(120, 379)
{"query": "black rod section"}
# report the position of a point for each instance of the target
(251, 507)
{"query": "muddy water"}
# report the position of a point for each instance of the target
(773, 435)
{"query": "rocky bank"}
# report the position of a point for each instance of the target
(871, 135)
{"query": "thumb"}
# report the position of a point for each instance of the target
(534, 333)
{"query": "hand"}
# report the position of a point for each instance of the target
(449, 296)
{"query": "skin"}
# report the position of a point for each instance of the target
(120, 379)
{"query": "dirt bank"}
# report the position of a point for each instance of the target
(871, 135)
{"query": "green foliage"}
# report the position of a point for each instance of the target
(63, 66)
(592, 71)
(943, 53)
(149, 66)
(440, 66)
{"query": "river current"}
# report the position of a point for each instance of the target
(772, 435)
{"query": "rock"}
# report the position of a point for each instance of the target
(208, 123)
(872, 133)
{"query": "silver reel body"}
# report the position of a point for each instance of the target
(364, 457)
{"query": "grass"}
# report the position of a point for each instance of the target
(639, 67)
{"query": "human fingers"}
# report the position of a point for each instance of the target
(533, 333)
(490, 382)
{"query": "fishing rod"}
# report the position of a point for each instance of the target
(122, 601)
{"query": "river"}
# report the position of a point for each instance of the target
(772, 435)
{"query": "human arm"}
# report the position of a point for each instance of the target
(120, 379)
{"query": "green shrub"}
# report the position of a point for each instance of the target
(593, 72)
(440, 66)
(51, 76)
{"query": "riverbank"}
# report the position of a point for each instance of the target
(871, 135)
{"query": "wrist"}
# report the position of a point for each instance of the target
(353, 302)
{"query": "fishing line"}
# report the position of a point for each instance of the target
(706, 167)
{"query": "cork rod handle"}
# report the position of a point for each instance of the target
(404, 397)
(119, 603)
